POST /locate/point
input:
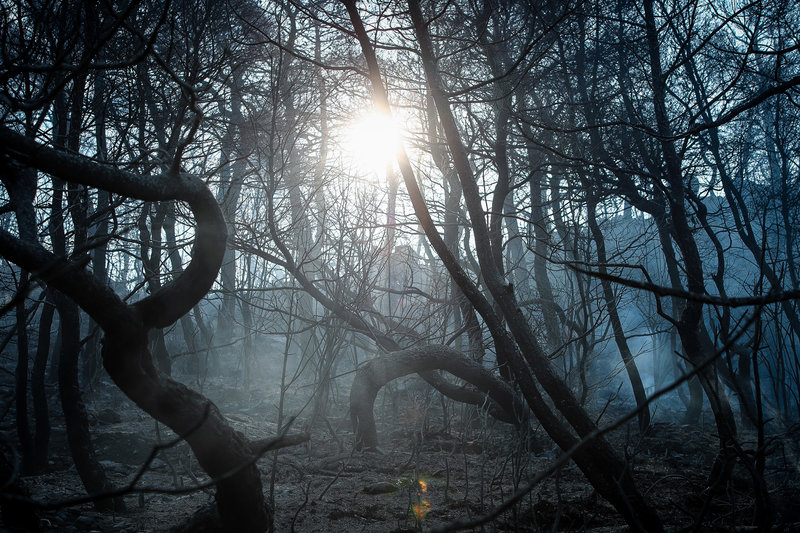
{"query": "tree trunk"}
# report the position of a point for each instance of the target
(613, 316)
(689, 325)
(21, 186)
(541, 242)
(76, 419)
(234, 148)
(150, 248)
(376, 373)
(222, 452)
(21, 380)
(41, 439)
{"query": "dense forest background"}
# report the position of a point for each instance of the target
(387, 266)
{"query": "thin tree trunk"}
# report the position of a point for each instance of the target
(102, 212)
(76, 419)
(234, 148)
(597, 235)
(150, 249)
(21, 380)
(462, 308)
(690, 323)
(21, 187)
(613, 316)
(41, 439)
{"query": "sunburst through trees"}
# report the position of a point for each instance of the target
(399, 265)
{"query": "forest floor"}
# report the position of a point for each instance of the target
(423, 476)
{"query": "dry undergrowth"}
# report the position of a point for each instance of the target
(423, 476)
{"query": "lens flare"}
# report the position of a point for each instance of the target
(421, 510)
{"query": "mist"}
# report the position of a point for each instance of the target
(399, 266)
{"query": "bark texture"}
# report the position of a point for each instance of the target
(225, 454)
(376, 373)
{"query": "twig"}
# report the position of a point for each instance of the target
(567, 455)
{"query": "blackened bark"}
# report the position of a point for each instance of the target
(542, 240)
(187, 327)
(601, 463)
(67, 135)
(694, 404)
(21, 186)
(21, 380)
(223, 453)
(741, 382)
(376, 373)
(613, 316)
(41, 439)
(76, 419)
(689, 325)
(551, 311)
(599, 240)
(102, 212)
(234, 147)
(462, 308)
(150, 248)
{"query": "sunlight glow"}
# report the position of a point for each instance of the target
(372, 142)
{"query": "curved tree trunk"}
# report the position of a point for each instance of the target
(225, 454)
(376, 373)
(222, 452)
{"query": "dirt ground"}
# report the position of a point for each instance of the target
(427, 472)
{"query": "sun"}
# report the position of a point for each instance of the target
(372, 142)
